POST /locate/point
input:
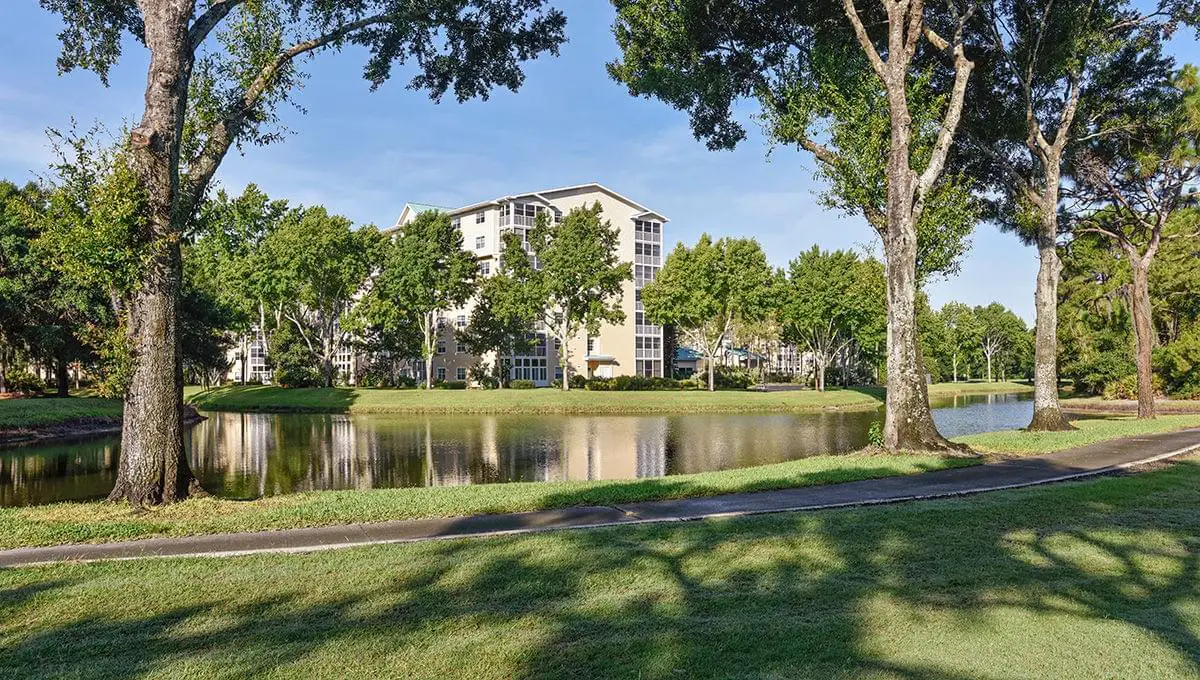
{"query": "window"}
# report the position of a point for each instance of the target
(591, 346)
(441, 373)
(441, 322)
(480, 217)
(485, 268)
(460, 348)
(441, 348)
(456, 222)
(526, 368)
(480, 242)
(461, 321)
(460, 373)
(557, 344)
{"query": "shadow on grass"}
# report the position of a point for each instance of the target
(946, 590)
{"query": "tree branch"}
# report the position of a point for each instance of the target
(937, 161)
(225, 131)
(209, 19)
(864, 40)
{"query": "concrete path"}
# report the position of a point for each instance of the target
(1071, 464)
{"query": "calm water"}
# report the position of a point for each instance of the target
(251, 455)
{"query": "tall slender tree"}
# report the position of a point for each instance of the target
(218, 71)
(1052, 74)
(1137, 182)
(704, 57)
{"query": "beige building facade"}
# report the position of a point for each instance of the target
(629, 348)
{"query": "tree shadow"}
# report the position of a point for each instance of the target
(915, 591)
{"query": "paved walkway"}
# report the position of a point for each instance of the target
(1072, 464)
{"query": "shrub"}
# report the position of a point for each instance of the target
(1126, 387)
(291, 360)
(481, 374)
(25, 383)
(521, 384)
(451, 385)
(727, 377)
(634, 383)
(875, 433)
(1179, 365)
(1092, 376)
(578, 381)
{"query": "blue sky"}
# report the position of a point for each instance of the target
(364, 154)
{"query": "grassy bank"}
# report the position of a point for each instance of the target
(355, 400)
(1089, 431)
(1129, 406)
(43, 412)
(101, 522)
(1094, 579)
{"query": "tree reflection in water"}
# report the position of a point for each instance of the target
(244, 455)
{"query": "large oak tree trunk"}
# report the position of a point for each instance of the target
(908, 422)
(152, 467)
(1144, 331)
(1047, 413)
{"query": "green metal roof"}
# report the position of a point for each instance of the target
(425, 207)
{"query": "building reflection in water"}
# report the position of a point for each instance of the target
(246, 455)
(250, 455)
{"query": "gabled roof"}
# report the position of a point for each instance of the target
(544, 195)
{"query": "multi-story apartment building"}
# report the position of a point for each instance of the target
(633, 347)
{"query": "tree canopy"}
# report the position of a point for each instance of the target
(703, 291)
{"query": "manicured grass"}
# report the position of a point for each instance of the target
(1100, 405)
(1086, 580)
(102, 522)
(40, 412)
(1090, 431)
(353, 400)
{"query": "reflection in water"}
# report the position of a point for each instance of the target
(243, 455)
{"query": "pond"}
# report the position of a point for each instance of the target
(243, 455)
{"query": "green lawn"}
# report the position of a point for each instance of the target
(352, 400)
(23, 413)
(101, 522)
(1089, 431)
(1101, 405)
(1084, 580)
